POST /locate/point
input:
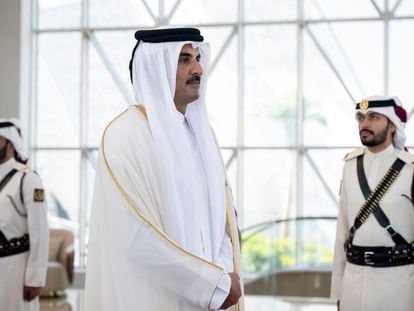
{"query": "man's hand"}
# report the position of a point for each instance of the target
(30, 293)
(235, 291)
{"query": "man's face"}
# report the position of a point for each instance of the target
(6, 150)
(189, 71)
(375, 129)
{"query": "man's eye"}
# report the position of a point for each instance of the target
(183, 60)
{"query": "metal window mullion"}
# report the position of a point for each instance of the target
(288, 147)
(299, 129)
(230, 160)
(323, 181)
(160, 19)
(224, 47)
(235, 24)
(148, 8)
(342, 51)
(173, 10)
(245, 147)
(331, 65)
(375, 5)
(34, 82)
(386, 47)
(410, 113)
(60, 148)
(111, 69)
(83, 117)
(396, 5)
(240, 111)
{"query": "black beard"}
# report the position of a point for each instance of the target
(3, 152)
(378, 139)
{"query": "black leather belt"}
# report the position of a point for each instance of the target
(15, 246)
(380, 256)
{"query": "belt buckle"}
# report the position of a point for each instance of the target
(367, 258)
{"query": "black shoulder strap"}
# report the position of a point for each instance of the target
(3, 183)
(21, 187)
(7, 178)
(377, 211)
(412, 190)
(3, 239)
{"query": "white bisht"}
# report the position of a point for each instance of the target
(142, 253)
(132, 262)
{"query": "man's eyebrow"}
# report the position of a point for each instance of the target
(189, 55)
(185, 54)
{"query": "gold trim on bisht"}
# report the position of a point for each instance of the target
(135, 210)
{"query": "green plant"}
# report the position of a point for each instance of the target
(263, 254)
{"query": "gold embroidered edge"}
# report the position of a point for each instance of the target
(135, 210)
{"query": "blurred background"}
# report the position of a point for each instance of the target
(284, 79)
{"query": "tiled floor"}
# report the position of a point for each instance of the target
(270, 303)
(74, 302)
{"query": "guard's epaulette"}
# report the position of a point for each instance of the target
(354, 154)
(407, 157)
(24, 169)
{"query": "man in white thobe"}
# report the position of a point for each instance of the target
(24, 232)
(373, 263)
(163, 226)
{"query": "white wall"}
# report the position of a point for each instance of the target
(15, 60)
(9, 58)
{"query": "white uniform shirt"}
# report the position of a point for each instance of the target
(16, 219)
(364, 287)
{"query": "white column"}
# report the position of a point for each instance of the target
(15, 36)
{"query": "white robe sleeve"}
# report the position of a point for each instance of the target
(221, 292)
(225, 260)
(342, 231)
(36, 209)
(172, 267)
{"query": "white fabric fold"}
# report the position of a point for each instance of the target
(154, 74)
(131, 260)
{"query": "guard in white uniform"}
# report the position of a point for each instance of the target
(24, 232)
(373, 263)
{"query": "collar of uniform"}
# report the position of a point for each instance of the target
(382, 154)
(7, 166)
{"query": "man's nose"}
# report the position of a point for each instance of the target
(364, 123)
(196, 68)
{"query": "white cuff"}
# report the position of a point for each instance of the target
(35, 277)
(336, 287)
(221, 292)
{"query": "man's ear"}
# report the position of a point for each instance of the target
(393, 128)
(10, 147)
